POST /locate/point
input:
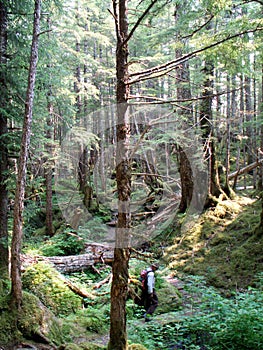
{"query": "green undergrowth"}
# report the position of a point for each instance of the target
(222, 245)
(208, 321)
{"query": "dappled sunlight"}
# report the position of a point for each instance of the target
(219, 244)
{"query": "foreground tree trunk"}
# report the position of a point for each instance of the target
(119, 288)
(16, 290)
(3, 148)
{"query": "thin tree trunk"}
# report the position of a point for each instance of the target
(260, 170)
(119, 287)
(16, 290)
(3, 148)
(228, 116)
(49, 162)
(49, 168)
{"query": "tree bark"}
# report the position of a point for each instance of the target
(184, 92)
(49, 164)
(3, 148)
(120, 274)
(16, 289)
(206, 121)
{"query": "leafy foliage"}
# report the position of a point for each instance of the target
(213, 322)
(64, 243)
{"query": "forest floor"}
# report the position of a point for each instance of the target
(222, 245)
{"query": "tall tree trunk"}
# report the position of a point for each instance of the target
(228, 117)
(3, 148)
(119, 288)
(49, 164)
(16, 290)
(260, 170)
(206, 121)
(183, 92)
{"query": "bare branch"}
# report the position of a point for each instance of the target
(167, 67)
(115, 16)
(199, 28)
(163, 101)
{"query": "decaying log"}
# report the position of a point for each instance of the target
(66, 264)
(245, 169)
(95, 254)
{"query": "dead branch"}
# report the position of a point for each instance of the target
(245, 169)
(82, 293)
(165, 68)
(101, 283)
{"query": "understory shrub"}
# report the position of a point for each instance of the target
(209, 322)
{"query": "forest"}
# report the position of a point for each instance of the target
(131, 135)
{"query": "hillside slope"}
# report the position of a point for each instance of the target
(222, 245)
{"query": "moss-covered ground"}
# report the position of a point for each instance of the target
(221, 245)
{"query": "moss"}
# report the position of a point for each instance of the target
(37, 322)
(8, 331)
(82, 346)
(45, 282)
(222, 245)
(34, 322)
(89, 346)
(72, 347)
(169, 299)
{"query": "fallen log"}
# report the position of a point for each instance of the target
(96, 254)
(72, 263)
(245, 169)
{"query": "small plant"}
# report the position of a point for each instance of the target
(64, 243)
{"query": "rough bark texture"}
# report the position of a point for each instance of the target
(16, 289)
(206, 126)
(119, 288)
(49, 164)
(3, 148)
(184, 92)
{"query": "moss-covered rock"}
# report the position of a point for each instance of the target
(47, 284)
(38, 323)
(34, 322)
